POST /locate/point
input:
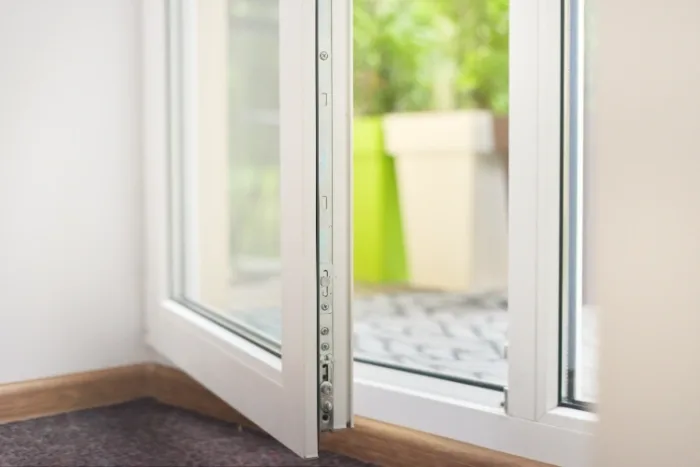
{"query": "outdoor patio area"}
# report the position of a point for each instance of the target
(456, 335)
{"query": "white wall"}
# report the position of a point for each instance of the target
(645, 170)
(70, 187)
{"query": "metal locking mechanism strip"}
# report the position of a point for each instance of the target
(324, 112)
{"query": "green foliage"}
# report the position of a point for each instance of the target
(430, 54)
(394, 40)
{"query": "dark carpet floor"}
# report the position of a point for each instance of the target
(144, 433)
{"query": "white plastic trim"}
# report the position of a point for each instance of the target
(279, 396)
(472, 423)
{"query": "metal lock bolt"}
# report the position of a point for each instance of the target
(327, 406)
(326, 388)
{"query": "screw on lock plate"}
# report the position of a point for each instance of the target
(327, 407)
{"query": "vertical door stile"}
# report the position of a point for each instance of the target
(324, 102)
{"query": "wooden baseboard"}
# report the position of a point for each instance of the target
(394, 446)
(370, 441)
(68, 393)
(174, 387)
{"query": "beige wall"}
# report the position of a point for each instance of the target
(70, 187)
(645, 180)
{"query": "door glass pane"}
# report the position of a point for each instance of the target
(430, 187)
(579, 311)
(228, 165)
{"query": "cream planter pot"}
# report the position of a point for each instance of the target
(452, 196)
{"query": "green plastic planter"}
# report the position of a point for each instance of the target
(379, 255)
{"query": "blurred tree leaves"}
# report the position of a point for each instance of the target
(412, 55)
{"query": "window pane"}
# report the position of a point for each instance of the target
(229, 165)
(430, 189)
(579, 313)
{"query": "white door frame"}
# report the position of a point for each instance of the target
(533, 425)
(278, 395)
